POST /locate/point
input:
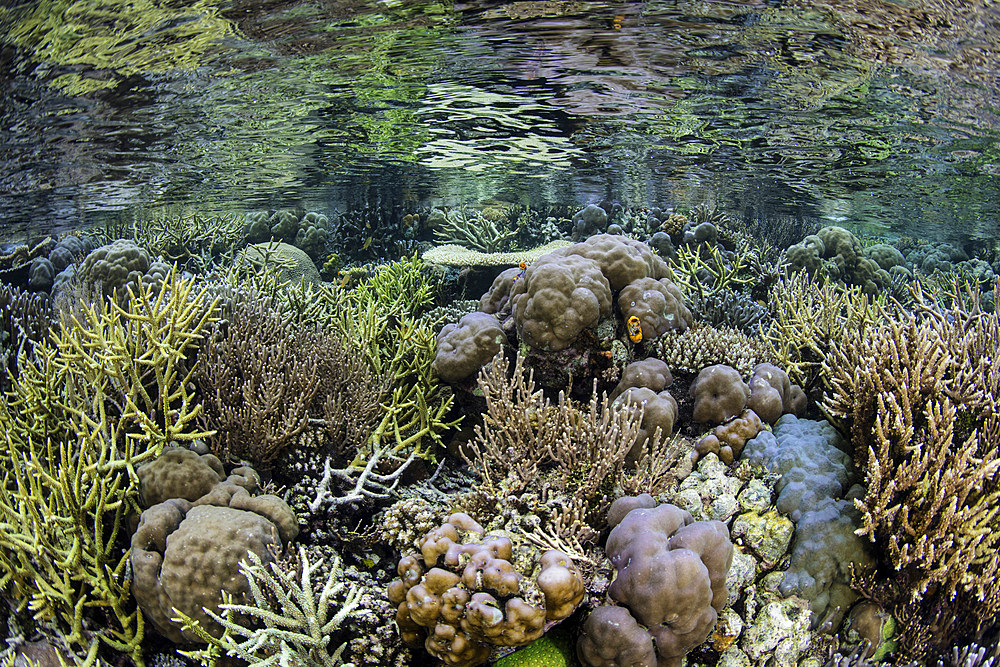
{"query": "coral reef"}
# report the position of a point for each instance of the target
(918, 396)
(464, 348)
(105, 394)
(578, 455)
(288, 622)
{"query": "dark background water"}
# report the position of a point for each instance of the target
(879, 115)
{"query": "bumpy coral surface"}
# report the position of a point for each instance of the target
(727, 440)
(557, 298)
(772, 394)
(463, 595)
(496, 300)
(463, 348)
(622, 260)
(659, 411)
(658, 304)
(184, 554)
(178, 473)
(671, 585)
(719, 394)
(651, 373)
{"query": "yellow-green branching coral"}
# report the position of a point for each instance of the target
(106, 393)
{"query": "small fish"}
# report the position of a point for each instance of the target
(368, 242)
(524, 267)
(634, 329)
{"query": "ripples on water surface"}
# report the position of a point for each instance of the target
(882, 115)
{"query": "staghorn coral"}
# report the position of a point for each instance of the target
(289, 622)
(706, 270)
(258, 378)
(702, 346)
(918, 395)
(809, 317)
(482, 233)
(527, 444)
(25, 320)
(397, 287)
(103, 395)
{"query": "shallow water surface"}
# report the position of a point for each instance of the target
(882, 116)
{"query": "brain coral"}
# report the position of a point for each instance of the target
(558, 297)
(292, 264)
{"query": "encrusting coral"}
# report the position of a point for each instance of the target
(106, 393)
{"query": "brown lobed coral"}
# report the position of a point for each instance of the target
(468, 592)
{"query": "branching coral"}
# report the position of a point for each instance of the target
(577, 453)
(25, 320)
(258, 378)
(289, 622)
(918, 395)
(703, 270)
(474, 231)
(702, 346)
(105, 394)
(808, 318)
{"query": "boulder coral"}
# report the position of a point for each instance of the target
(670, 587)
(558, 297)
(658, 305)
(186, 554)
(465, 347)
(719, 394)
